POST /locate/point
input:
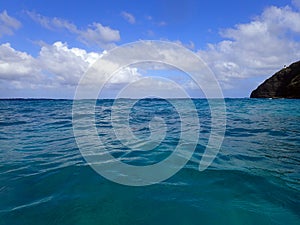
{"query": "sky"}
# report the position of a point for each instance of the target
(47, 46)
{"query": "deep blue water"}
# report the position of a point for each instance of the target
(255, 178)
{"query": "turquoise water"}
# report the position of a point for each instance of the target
(255, 178)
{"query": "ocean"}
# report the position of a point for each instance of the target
(254, 178)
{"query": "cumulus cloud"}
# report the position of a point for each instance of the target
(16, 65)
(8, 24)
(57, 62)
(163, 59)
(95, 34)
(60, 67)
(65, 64)
(128, 17)
(57, 66)
(257, 48)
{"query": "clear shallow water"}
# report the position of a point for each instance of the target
(255, 178)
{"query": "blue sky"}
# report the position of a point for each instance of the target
(46, 46)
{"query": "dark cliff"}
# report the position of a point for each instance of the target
(283, 84)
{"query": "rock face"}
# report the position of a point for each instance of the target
(283, 84)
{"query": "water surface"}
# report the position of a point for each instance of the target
(255, 178)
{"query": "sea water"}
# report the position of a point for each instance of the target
(254, 179)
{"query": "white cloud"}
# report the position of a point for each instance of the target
(65, 64)
(8, 24)
(128, 17)
(96, 33)
(69, 64)
(257, 48)
(189, 45)
(163, 59)
(126, 75)
(16, 65)
(101, 35)
(57, 66)
(52, 23)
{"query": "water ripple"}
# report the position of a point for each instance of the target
(255, 177)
